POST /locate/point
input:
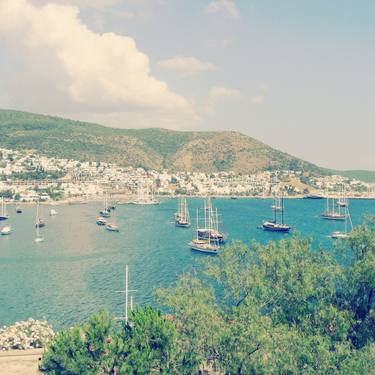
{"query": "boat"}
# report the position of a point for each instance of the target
(112, 227)
(274, 226)
(182, 217)
(331, 213)
(3, 214)
(18, 210)
(6, 231)
(344, 234)
(39, 222)
(106, 211)
(313, 196)
(38, 237)
(339, 235)
(101, 221)
(211, 224)
(208, 246)
(53, 212)
(342, 201)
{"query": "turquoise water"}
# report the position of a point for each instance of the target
(80, 266)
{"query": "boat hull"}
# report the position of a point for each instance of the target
(203, 249)
(4, 218)
(333, 218)
(272, 227)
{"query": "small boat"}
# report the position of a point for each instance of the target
(6, 231)
(18, 210)
(3, 213)
(40, 223)
(53, 212)
(274, 226)
(105, 213)
(233, 197)
(101, 221)
(112, 227)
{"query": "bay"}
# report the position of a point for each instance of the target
(79, 269)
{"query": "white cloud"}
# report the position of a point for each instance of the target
(100, 4)
(261, 96)
(64, 64)
(227, 7)
(186, 65)
(220, 93)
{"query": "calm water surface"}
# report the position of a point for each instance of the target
(80, 266)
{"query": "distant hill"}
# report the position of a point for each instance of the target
(148, 148)
(367, 176)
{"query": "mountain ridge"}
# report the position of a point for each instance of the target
(150, 148)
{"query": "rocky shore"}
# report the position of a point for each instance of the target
(29, 334)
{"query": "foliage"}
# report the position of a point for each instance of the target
(280, 308)
(143, 346)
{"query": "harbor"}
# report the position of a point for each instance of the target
(79, 266)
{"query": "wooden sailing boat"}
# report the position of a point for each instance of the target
(274, 226)
(182, 217)
(331, 213)
(208, 245)
(211, 224)
(106, 211)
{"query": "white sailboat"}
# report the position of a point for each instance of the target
(348, 223)
(3, 214)
(209, 245)
(105, 212)
(182, 216)
(38, 237)
(331, 213)
(52, 212)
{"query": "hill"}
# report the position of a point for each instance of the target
(148, 148)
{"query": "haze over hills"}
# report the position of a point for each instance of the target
(148, 148)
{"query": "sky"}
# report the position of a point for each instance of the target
(298, 75)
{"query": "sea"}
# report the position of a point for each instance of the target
(79, 268)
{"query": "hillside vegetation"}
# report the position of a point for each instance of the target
(147, 148)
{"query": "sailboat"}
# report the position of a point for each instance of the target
(331, 213)
(39, 222)
(52, 212)
(3, 214)
(348, 222)
(209, 245)
(38, 237)
(342, 201)
(274, 226)
(106, 210)
(211, 224)
(182, 217)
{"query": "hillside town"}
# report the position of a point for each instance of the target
(28, 176)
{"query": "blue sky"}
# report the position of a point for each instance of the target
(298, 75)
